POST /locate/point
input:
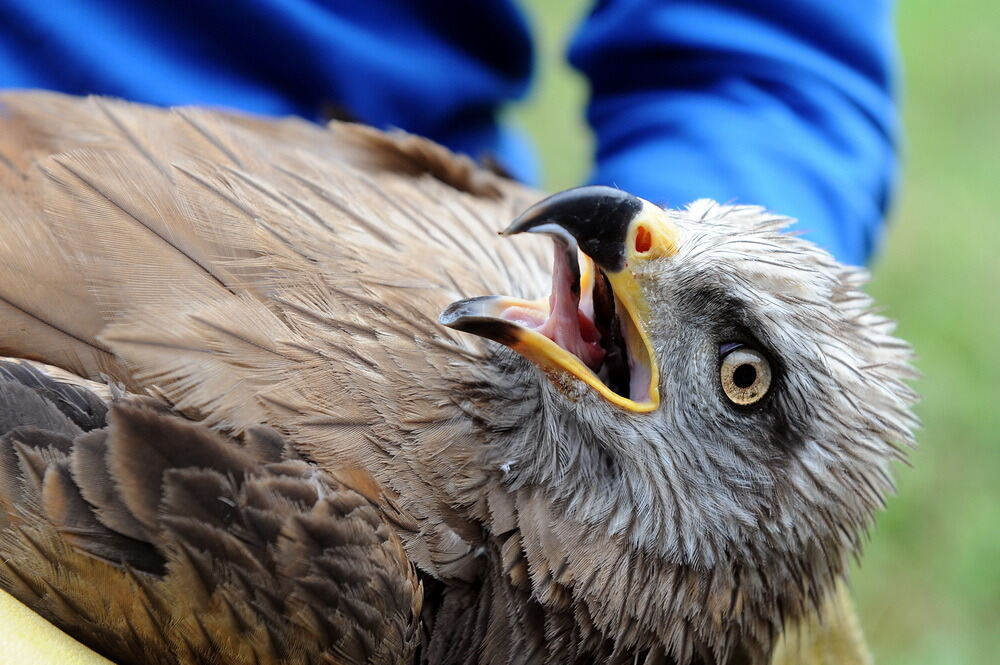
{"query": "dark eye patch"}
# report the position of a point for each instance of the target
(730, 323)
(711, 318)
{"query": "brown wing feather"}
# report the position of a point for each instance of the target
(157, 540)
(256, 272)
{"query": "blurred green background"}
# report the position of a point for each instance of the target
(928, 586)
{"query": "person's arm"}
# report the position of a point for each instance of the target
(782, 103)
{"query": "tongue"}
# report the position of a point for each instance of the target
(567, 326)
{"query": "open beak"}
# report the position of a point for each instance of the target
(594, 325)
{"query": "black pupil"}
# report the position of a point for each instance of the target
(744, 376)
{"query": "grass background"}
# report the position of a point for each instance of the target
(929, 583)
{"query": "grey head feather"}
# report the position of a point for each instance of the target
(702, 526)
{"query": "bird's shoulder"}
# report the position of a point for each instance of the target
(154, 538)
(256, 271)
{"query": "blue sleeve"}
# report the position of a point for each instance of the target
(439, 68)
(783, 103)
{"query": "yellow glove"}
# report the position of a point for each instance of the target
(25, 637)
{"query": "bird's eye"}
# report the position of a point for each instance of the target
(745, 374)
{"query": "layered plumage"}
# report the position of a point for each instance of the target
(156, 540)
(231, 273)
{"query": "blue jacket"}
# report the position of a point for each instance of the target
(784, 103)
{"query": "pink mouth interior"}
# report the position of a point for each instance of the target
(576, 322)
(569, 322)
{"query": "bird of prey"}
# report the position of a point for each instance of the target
(284, 394)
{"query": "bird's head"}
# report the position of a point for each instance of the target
(715, 395)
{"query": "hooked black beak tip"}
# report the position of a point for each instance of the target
(597, 217)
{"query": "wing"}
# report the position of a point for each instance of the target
(155, 539)
(255, 272)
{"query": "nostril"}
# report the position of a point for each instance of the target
(643, 240)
